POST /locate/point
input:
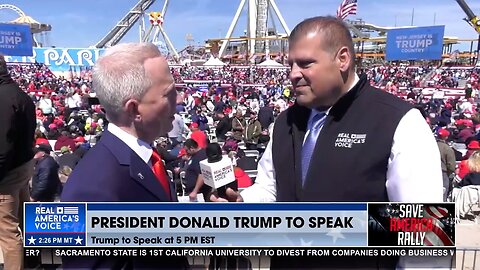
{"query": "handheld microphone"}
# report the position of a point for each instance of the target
(217, 170)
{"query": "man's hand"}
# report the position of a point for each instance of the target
(193, 196)
(232, 196)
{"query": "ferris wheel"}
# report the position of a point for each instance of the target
(39, 30)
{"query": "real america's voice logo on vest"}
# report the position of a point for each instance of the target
(348, 140)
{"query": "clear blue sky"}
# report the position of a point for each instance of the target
(82, 23)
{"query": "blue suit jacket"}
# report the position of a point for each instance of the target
(112, 172)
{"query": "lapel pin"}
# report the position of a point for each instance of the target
(140, 176)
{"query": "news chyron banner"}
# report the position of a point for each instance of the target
(422, 225)
(238, 225)
(194, 225)
(416, 43)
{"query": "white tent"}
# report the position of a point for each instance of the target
(214, 62)
(186, 61)
(271, 64)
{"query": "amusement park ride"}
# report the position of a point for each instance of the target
(138, 14)
(472, 19)
(39, 30)
(261, 35)
(260, 12)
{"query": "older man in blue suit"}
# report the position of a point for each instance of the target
(134, 85)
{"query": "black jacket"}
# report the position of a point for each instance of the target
(171, 161)
(265, 116)
(471, 179)
(351, 152)
(45, 181)
(350, 162)
(69, 160)
(223, 126)
(17, 125)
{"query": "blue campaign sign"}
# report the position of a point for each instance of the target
(61, 59)
(55, 224)
(15, 40)
(418, 43)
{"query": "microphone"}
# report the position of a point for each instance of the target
(217, 170)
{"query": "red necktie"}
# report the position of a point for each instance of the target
(159, 171)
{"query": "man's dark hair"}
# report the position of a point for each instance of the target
(191, 143)
(214, 152)
(335, 34)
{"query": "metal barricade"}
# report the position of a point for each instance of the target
(468, 258)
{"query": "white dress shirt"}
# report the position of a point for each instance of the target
(71, 102)
(141, 148)
(414, 171)
(46, 105)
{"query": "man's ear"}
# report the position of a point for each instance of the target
(131, 107)
(344, 58)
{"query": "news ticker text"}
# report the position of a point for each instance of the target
(250, 252)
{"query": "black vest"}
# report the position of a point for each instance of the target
(350, 159)
(349, 163)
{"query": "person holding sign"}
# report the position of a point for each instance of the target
(343, 140)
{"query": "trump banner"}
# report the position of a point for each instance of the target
(15, 40)
(427, 225)
(194, 225)
(418, 43)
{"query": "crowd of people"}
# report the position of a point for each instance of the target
(162, 131)
(70, 121)
(394, 77)
(232, 75)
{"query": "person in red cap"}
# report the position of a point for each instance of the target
(447, 156)
(40, 138)
(198, 136)
(473, 177)
(463, 167)
(472, 147)
(79, 141)
(466, 130)
(65, 139)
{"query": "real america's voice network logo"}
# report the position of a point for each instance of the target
(67, 210)
(347, 140)
(55, 224)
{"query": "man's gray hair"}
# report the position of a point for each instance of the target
(119, 75)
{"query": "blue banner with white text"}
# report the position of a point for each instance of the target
(195, 225)
(417, 43)
(15, 40)
(55, 224)
(60, 59)
(247, 225)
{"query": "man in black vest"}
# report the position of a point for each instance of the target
(343, 140)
